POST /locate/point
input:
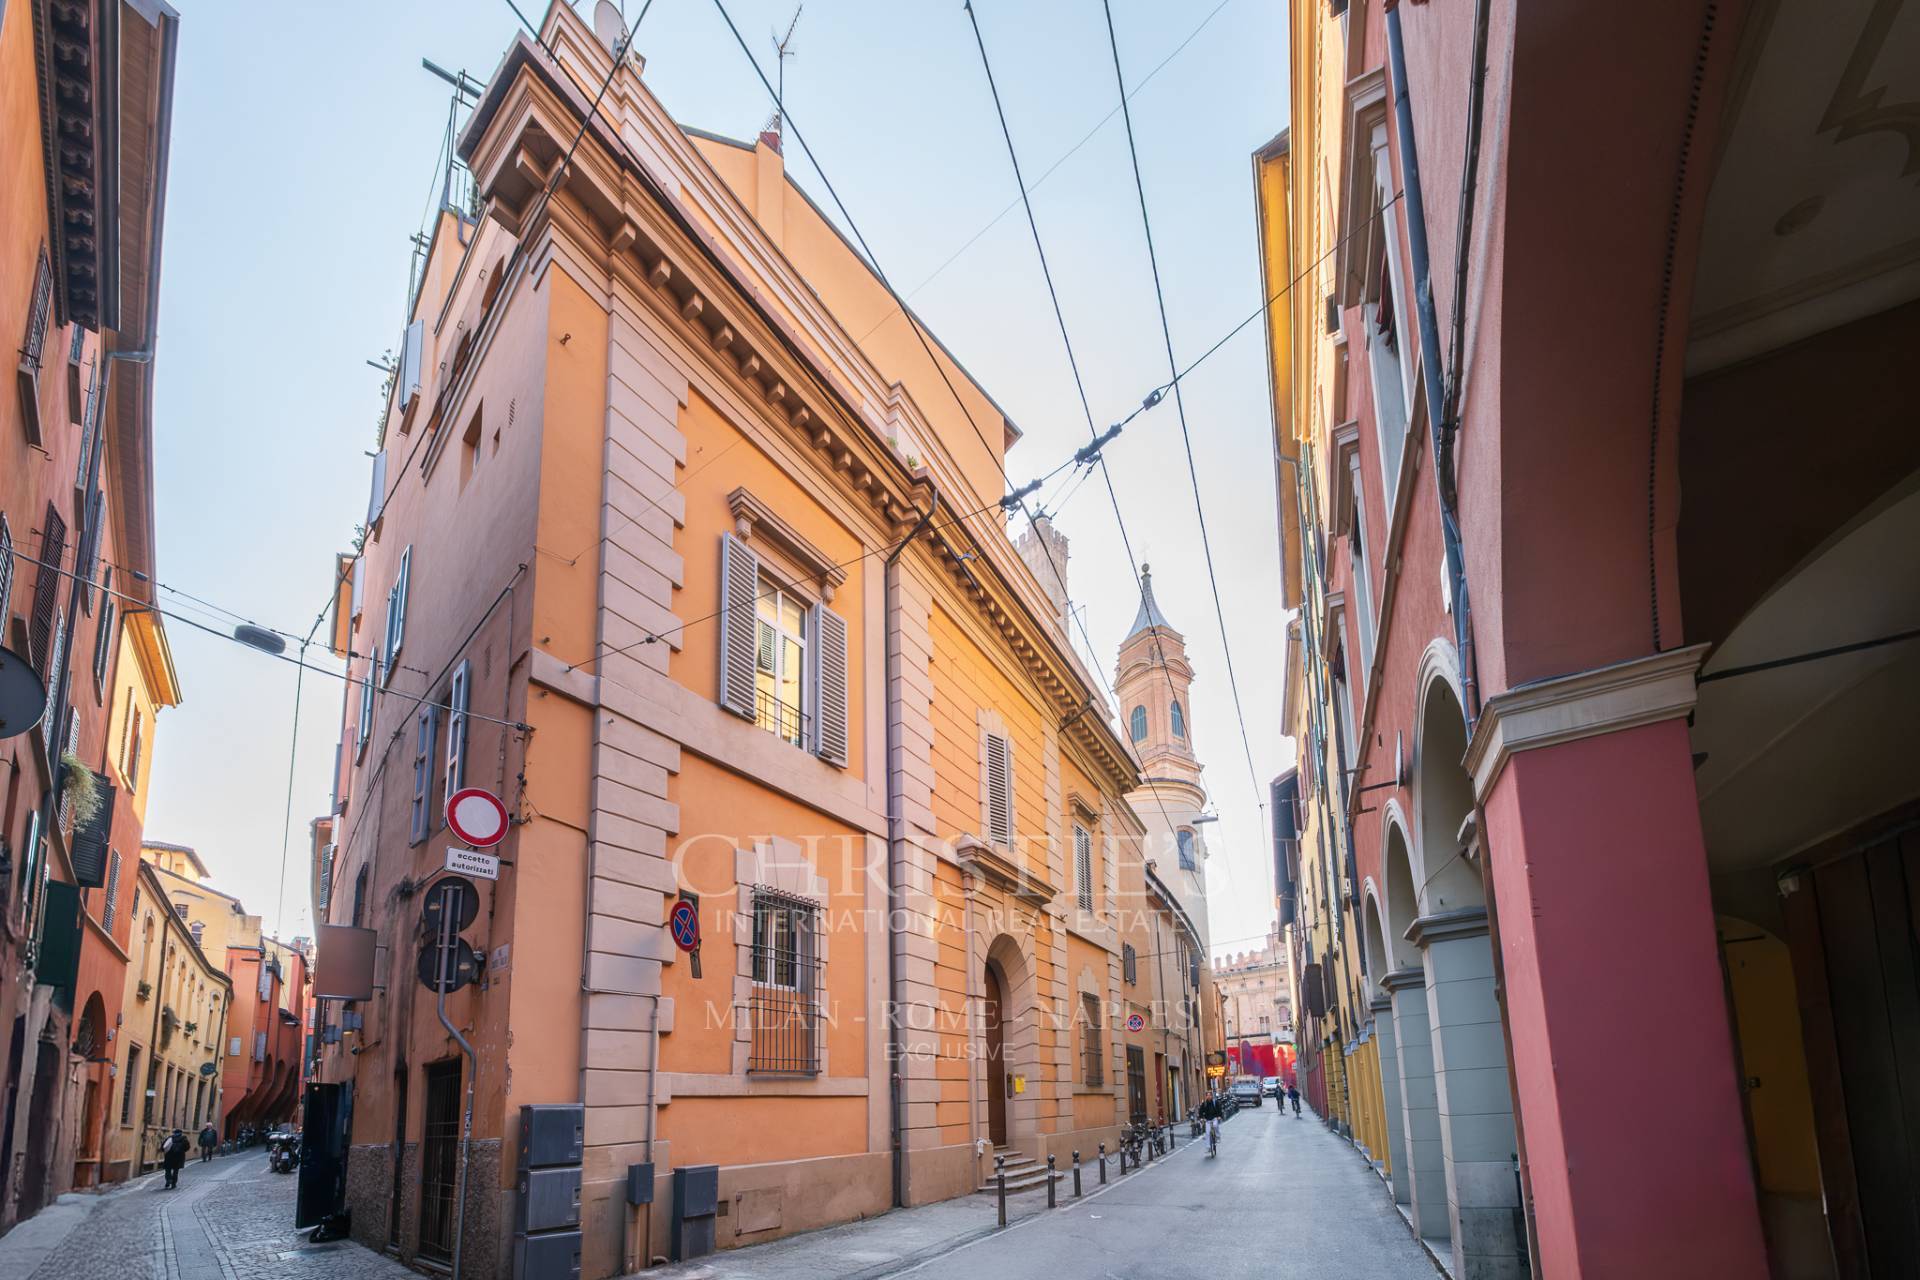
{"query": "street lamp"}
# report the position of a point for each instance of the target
(260, 638)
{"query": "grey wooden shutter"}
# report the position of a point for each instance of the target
(46, 583)
(1083, 866)
(113, 892)
(377, 491)
(829, 650)
(457, 696)
(90, 841)
(999, 785)
(739, 586)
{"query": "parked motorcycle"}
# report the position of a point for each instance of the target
(283, 1152)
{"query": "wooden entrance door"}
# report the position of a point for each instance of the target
(990, 1005)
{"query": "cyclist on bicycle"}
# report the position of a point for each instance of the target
(1293, 1096)
(1210, 1112)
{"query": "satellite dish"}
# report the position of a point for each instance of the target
(23, 698)
(608, 25)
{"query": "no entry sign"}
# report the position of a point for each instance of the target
(477, 817)
(1135, 1022)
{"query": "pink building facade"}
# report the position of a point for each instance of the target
(1630, 822)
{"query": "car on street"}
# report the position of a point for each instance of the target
(1246, 1091)
(1272, 1086)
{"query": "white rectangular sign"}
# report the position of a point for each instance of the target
(471, 862)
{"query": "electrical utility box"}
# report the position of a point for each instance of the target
(546, 1201)
(696, 1202)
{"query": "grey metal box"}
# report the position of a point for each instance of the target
(551, 1134)
(547, 1198)
(696, 1198)
(640, 1183)
(554, 1255)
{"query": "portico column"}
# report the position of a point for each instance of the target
(1470, 1086)
(1600, 878)
(1399, 1166)
(1420, 1108)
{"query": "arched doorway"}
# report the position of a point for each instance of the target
(1404, 981)
(992, 1002)
(1472, 1094)
(1380, 1006)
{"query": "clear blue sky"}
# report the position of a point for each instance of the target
(304, 143)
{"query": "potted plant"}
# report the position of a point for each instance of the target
(82, 790)
(144, 990)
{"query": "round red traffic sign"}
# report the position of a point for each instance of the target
(684, 924)
(477, 817)
(1135, 1022)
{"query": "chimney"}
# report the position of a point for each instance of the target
(1044, 548)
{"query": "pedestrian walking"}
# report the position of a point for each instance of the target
(209, 1139)
(173, 1157)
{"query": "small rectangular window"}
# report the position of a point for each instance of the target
(1083, 866)
(785, 1008)
(1129, 963)
(368, 679)
(422, 810)
(103, 634)
(781, 635)
(1092, 1059)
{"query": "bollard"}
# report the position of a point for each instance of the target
(1050, 1192)
(1147, 1146)
(1076, 1174)
(1123, 1159)
(1103, 1164)
(1000, 1181)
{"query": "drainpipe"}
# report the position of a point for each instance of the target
(896, 821)
(1443, 418)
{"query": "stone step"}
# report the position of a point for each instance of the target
(1030, 1176)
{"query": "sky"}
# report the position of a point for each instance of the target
(304, 157)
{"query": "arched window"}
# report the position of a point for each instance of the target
(1179, 720)
(1186, 850)
(1139, 724)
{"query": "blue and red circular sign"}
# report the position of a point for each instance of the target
(684, 923)
(1135, 1022)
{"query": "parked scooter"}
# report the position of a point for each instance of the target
(283, 1152)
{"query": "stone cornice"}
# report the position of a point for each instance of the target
(753, 517)
(1444, 926)
(980, 859)
(1585, 704)
(1402, 980)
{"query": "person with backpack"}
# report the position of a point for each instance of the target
(173, 1157)
(1293, 1096)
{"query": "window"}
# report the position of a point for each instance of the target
(1092, 1061)
(1386, 326)
(113, 891)
(103, 634)
(180, 909)
(1185, 841)
(1179, 721)
(1129, 963)
(33, 346)
(1362, 580)
(53, 673)
(360, 899)
(1138, 723)
(422, 810)
(134, 735)
(198, 929)
(998, 785)
(364, 731)
(457, 696)
(42, 634)
(126, 1091)
(6, 570)
(785, 1008)
(397, 615)
(783, 662)
(1083, 866)
(780, 662)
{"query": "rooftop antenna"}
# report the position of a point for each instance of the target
(783, 49)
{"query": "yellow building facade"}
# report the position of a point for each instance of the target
(168, 1054)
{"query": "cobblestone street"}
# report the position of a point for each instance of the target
(229, 1220)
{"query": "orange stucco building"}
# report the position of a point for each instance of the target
(718, 599)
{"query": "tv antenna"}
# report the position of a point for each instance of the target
(782, 49)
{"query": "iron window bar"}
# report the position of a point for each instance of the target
(783, 720)
(784, 1012)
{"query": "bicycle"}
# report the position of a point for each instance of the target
(1213, 1138)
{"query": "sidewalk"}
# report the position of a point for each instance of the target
(898, 1240)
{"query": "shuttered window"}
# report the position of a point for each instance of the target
(1129, 963)
(830, 685)
(365, 729)
(999, 790)
(46, 584)
(739, 626)
(458, 692)
(6, 573)
(1083, 866)
(113, 891)
(397, 613)
(1092, 1060)
(89, 555)
(422, 811)
(132, 770)
(53, 674)
(103, 632)
(33, 345)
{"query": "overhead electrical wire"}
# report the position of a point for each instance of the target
(1180, 408)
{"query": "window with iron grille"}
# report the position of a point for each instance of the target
(785, 1009)
(1093, 1071)
(33, 346)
